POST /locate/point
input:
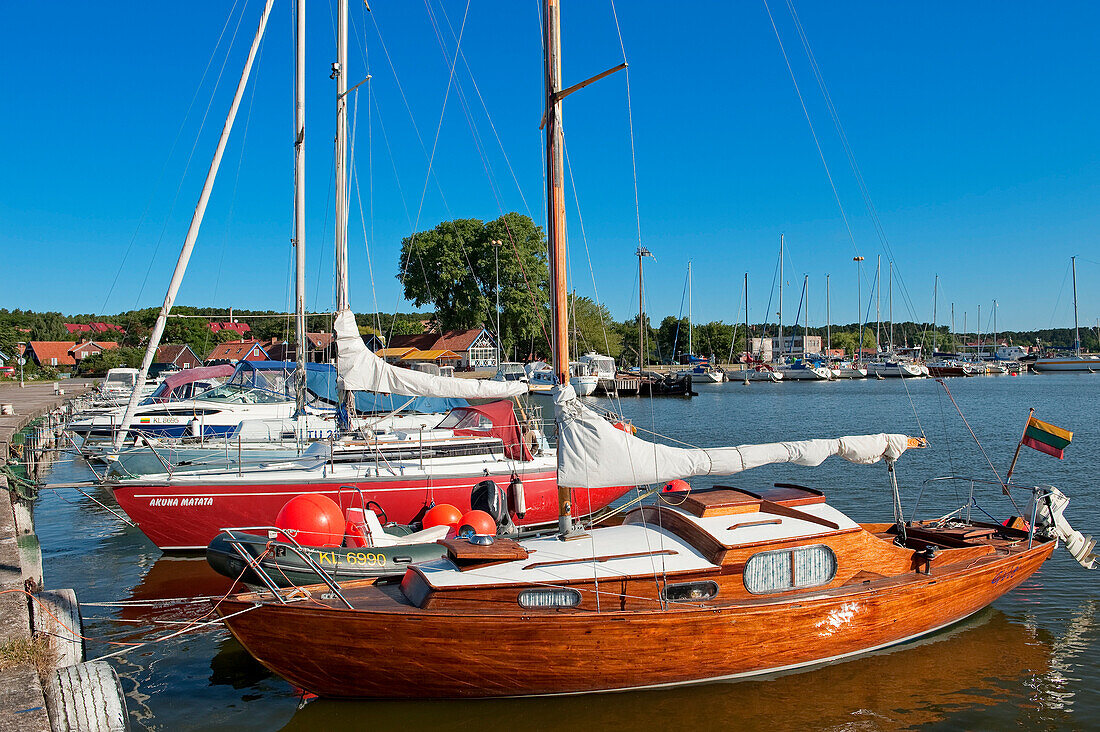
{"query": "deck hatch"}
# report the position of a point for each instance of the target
(789, 569)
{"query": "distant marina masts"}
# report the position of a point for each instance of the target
(642, 253)
(859, 311)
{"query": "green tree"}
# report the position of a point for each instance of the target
(593, 329)
(98, 363)
(453, 267)
(194, 332)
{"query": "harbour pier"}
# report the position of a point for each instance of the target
(43, 676)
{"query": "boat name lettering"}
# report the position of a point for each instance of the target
(1003, 575)
(162, 502)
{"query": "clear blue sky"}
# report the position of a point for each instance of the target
(974, 124)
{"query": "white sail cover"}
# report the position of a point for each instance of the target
(594, 453)
(362, 370)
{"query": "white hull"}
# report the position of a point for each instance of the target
(585, 385)
(772, 376)
(848, 372)
(1067, 364)
(896, 370)
(813, 373)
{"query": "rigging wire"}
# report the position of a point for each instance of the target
(179, 132)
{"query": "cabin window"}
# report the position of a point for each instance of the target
(789, 569)
(690, 591)
(549, 598)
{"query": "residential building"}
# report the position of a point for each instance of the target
(234, 325)
(769, 349)
(63, 354)
(94, 328)
(170, 357)
(474, 348)
(236, 351)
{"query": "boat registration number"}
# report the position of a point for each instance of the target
(367, 558)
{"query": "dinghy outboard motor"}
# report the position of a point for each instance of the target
(1049, 516)
(489, 497)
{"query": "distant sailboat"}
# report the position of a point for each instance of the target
(1079, 361)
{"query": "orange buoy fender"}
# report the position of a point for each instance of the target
(442, 515)
(312, 519)
(480, 521)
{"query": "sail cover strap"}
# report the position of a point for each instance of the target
(362, 370)
(593, 453)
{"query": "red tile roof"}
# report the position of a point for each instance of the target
(458, 341)
(238, 351)
(240, 328)
(319, 340)
(66, 352)
(93, 328)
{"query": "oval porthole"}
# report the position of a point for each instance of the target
(690, 591)
(549, 598)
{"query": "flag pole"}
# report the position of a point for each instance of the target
(1008, 477)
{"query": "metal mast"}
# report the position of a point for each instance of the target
(828, 318)
(859, 311)
(300, 204)
(890, 304)
(806, 327)
(1076, 333)
(748, 341)
(979, 332)
(878, 304)
(935, 302)
(691, 349)
(993, 349)
(340, 74)
(780, 296)
(192, 233)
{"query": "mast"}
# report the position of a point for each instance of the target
(828, 319)
(859, 311)
(1076, 332)
(192, 233)
(878, 304)
(890, 305)
(300, 205)
(691, 349)
(954, 347)
(641, 310)
(993, 350)
(935, 302)
(781, 345)
(979, 332)
(806, 320)
(748, 341)
(555, 219)
(340, 74)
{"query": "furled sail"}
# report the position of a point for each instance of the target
(362, 370)
(594, 453)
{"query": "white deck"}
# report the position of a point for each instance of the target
(660, 550)
(576, 556)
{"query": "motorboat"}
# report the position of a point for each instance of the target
(584, 377)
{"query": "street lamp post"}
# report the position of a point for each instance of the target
(496, 258)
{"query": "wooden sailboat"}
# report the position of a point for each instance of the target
(727, 583)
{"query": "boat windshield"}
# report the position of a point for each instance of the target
(465, 419)
(239, 394)
(123, 379)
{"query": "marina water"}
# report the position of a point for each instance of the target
(1032, 660)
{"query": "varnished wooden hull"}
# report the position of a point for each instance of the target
(412, 653)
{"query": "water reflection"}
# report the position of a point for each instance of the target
(986, 662)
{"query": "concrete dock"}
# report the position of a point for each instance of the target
(22, 700)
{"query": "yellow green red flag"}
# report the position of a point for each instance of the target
(1047, 438)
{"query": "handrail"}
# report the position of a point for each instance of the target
(296, 548)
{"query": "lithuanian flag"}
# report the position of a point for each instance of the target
(1046, 437)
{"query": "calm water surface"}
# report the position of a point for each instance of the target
(1030, 661)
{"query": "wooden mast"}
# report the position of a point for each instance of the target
(555, 224)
